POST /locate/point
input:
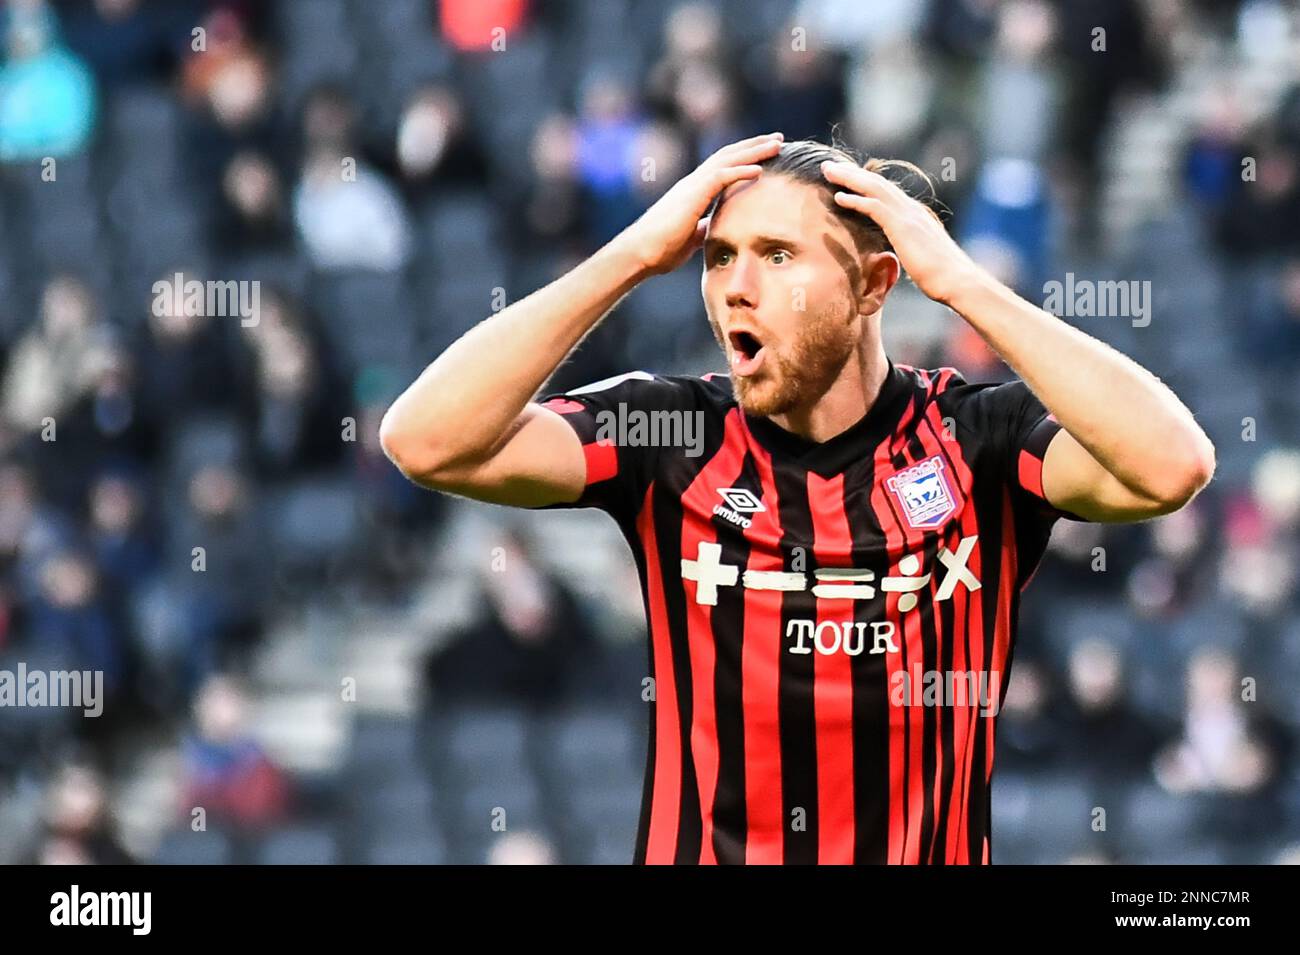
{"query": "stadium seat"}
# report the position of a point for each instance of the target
(300, 845)
(498, 735)
(143, 120)
(370, 319)
(380, 744)
(589, 749)
(184, 847)
(210, 439)
(1191, 853)
(66, 241)
(323, 16)
(455, 227)
(406, 849)
(312, 522)
(391, 802)
(1049, 811)
(395, 17)
(1155, 820)
(482, 808)
(610, 841)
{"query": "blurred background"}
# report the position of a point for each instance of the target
(342, 680)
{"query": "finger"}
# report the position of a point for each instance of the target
(856, 178)
(874, 208)
(701, 229)
(747, 157)
(752, 141)
(769, 147)
(728, 152)
(731, 174)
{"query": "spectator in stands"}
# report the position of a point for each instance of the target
(1022, 86)
(71, 619)
(228, 85)
(1268, 330)
(609, 126)
(436, 148)
(254, 214)
(1109, 48)
(1219, 750)
(1212, 158)
(532, 643)
(550, 214)
(1262, 215)
(889, 96)
(708, 102)
(221, 591)
(397, 515)
(126, 43)
(693, 36)
(1179, 570)
(227, 773)
(189, 361)
(348, 216)
(797, 90)
(47, 94)
(474, 25)
(108, 423)
(123, 534)
(1258, 565)
(49, 368)
(1010, 216)
(79, 829)
(299, 405)
(849, 25)
(1096, 708)
(24, 523)
(1029, 728)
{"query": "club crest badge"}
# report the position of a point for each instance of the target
(924, 493)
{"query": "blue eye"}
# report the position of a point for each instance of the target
(780, 252)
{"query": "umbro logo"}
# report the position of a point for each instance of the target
(739, 501)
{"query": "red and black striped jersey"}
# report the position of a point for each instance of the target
(831, 624)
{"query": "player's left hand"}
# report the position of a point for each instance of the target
(936, 264)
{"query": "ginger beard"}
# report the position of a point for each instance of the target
(797, 373)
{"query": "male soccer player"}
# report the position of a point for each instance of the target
(832, 575)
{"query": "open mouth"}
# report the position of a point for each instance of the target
(746, 352)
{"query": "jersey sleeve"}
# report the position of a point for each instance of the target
(605, 416)
(1014, 429)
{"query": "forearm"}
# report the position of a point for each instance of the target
(463, 403)
(1133, 424)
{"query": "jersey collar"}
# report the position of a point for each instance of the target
(859, 440)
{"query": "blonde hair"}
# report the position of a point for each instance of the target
(801, 161)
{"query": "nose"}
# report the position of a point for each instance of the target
(742, 283)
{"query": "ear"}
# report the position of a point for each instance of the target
(880, 272)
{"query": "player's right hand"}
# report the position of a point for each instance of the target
(670, 231)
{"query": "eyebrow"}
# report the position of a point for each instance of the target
(758, 241)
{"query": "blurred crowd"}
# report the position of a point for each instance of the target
(178, 490)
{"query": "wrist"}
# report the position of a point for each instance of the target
(623, 256)
(966, 290)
